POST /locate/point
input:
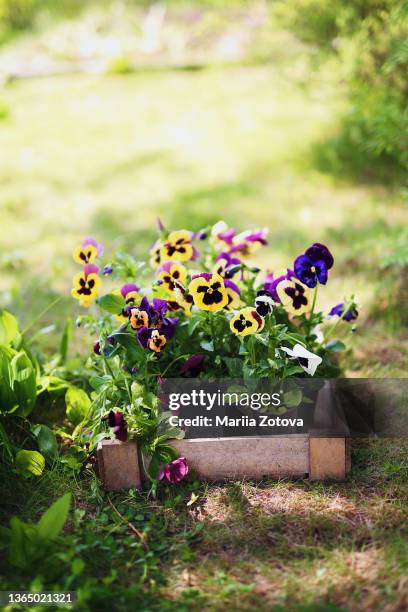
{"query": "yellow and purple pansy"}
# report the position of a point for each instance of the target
(247, 321)
(177, 246)
(89, 250)
(172, 273)
(222, 235)
(86, 285)
(272, 281)
(249, 241)
(233, 293)
(313, 266)
(225, 265)
(155, 254)
(132, 297)
(294, 296)
(208, 291)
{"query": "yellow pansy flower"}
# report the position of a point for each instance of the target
(177, 247)
(208, 291)
(247, 321)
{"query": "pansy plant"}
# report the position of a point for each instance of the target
(207, 314)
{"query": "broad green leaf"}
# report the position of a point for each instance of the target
(8, 327)
(47, 442)
(17, 550)
(292, 398)
(8, 399)
(78, 404)
(53, 519)
(111, 302)
(28, 461)
(24, 382)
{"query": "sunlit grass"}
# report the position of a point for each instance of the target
(106, 155)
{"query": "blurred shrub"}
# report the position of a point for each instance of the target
(17, 14)
(371, 39)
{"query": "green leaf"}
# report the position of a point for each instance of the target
(28, 461)
(292, 398)
(336, 346)
(111, 302)
(24, 382)
(18, 542)
(8, 399)
(78, 404)
(8, 327)
(53, 519)
(207, 345)
(77, 566)
(47, 442)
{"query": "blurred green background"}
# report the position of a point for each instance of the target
(291, 115)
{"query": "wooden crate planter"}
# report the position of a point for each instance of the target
(305, 456)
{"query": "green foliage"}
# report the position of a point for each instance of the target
(370, 39)
(28, 543)
(30, 462)
(78, 403)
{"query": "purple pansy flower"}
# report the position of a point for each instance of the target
(193, 366)
(117, 421)
(313, 265)
(339, 309)
(175, 471)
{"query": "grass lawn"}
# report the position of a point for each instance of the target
(104, 156)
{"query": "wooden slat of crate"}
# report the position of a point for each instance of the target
(118, 464)
(228, 458)
(329, 458)
(246, 457)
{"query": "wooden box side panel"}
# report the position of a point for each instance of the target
(329, 458)
(250, 457)
(118, 465)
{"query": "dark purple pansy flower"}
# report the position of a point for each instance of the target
(107, 270)
(339, 309)
(175, 471)
(97, 348)
(117, 421)
(313, 265)
(193, 366)
(271, 283)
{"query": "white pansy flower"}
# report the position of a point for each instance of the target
(307, 360)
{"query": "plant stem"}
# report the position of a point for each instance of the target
(42, 313)
(309, 327)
